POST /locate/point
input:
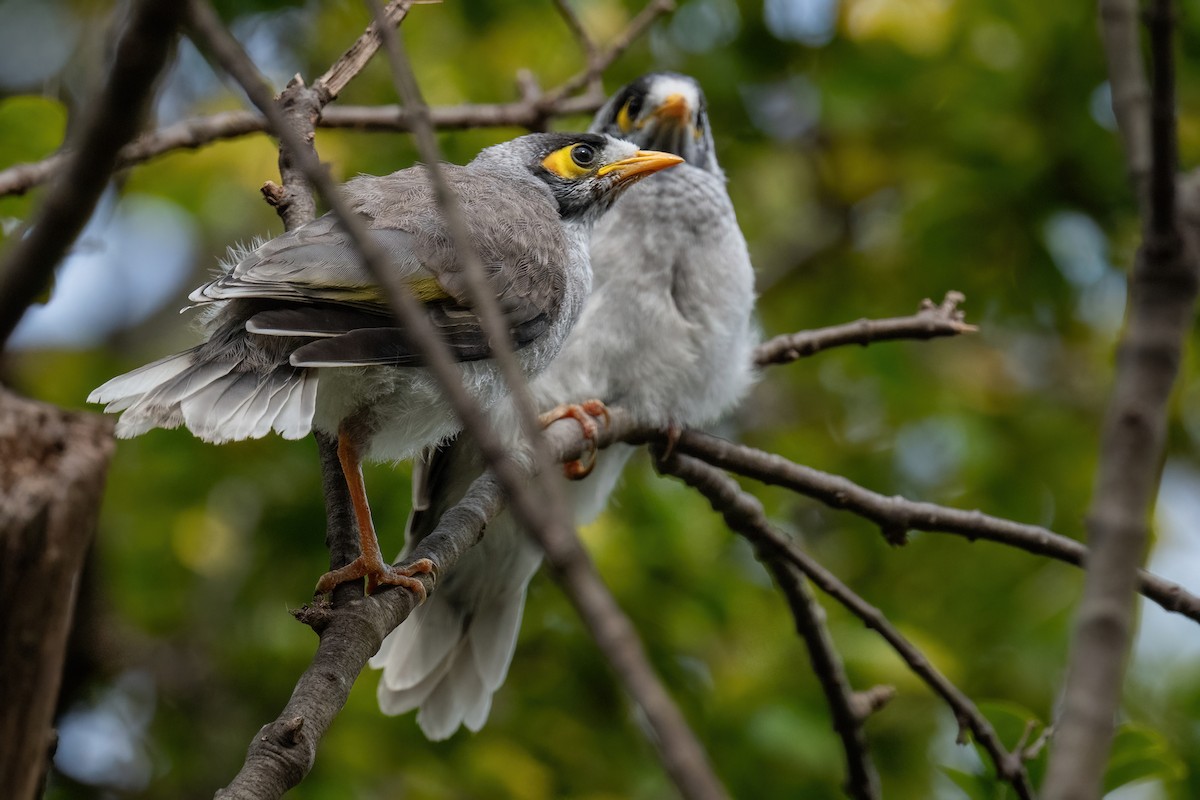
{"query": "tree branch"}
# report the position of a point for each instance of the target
(680, 750)
(530, 113)
(359, 54)
(1130, 90)
(862, 781)
(1161, 303)
(191, 134)
(744, 514)
(111, 119)
(932, 320)
(598, 64)
(577, 30)
(896, 515)
(283, 751)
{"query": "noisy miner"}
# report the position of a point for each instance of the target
(667, 334)
(300, 337)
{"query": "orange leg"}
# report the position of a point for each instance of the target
(370, 564)
(586, 414)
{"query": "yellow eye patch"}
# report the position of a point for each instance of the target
(623, 119)
(563, 165)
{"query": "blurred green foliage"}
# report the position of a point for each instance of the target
(878, 152)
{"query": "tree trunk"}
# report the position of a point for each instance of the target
(52, 471)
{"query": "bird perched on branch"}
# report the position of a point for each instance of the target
(667, 334)
(301, 337)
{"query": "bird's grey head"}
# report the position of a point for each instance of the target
(662, 111)
(586, 172)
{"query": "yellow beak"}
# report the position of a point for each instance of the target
(674, 109)
(639, 165)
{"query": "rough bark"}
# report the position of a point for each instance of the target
(52, 470)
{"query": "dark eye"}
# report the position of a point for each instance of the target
(583, 154)
(634, 106)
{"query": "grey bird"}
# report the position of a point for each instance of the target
(300, 337)
(667, 334)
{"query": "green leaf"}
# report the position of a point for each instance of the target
(973, 785)
(1140, 753)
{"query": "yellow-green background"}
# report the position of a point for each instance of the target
(915, 146)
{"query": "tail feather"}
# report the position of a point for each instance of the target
(451, 655)
(418, 647)
(216, 403)
(124, 390)
(459, 698)
(494, 638)
(211, 412)
(395, 701)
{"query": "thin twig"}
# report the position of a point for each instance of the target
(111, 119)
(744, 514)
(597, 65)
(530, 112)
(577, 30)
(359, 54)
(551, 508)
(932, 320)
(862, 780)
(1161, 310)
(896, 515)
(680, 751)
(197, 132)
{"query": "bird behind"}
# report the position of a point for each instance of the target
(667, 334)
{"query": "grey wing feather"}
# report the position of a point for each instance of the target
(394, 346)
(318, 320)
(315, 262)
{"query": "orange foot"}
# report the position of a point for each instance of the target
(376, 572)
(586, 414)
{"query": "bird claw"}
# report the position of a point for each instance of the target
(586, 414)
(671, 433)
(376, 573)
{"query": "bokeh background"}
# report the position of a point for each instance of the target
(878, 152)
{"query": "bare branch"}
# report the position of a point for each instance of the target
(282, 752)
(197, 132)
(896, 515)
(679, 749)
(932, 320)
(1161, 309)
(283, 762)
(577, 30)
(682, 754)
(277, 755)
(862, 781)
(597, 65)
(529, 112)
(111, 119)
(1130, 90)
(744, 514)
(481, 294)
(359, 54)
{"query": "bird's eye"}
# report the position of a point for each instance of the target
(627, 116)
(583, 154)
